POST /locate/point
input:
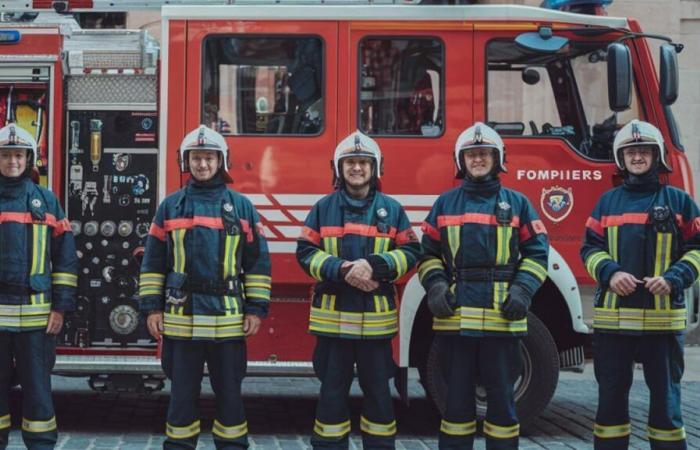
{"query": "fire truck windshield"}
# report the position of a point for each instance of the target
(551, 99)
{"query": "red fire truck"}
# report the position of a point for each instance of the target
(284, 84)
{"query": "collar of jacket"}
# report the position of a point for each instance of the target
(14, 187)
(357, 204)
(212, 185)
(646, 182)
(486, 186)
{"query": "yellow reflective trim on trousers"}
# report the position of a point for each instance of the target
(498, 432)
(327, 430)
(612, 242)
(316, 264)
(231, 432)
(693, 258)
(453, 239)
(38, 426)
(178, 237)
(458, 429)
(677, 434)
(185, 432)
(662, 260)
(64, 278)
(5, 422)
(428, 265)
(534, 268)
(639, 319)
(612, 431)
(479, 319)
(377, 429)
(593, 261)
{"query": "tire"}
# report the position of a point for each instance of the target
(534, 386)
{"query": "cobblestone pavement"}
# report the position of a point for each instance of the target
(281, 411)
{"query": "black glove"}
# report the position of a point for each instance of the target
(441, 301)
(517, 303)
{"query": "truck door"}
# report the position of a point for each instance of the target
(552, 110)
(270, 87)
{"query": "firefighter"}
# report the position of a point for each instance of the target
(356, 243)
(205, 285)
(642, 246)
(485, 256)
(38, 279)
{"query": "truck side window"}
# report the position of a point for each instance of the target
(263, 85)
(401, 86)
(562, 95)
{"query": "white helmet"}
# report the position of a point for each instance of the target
(204, 138)
(358, 144)
(13, 136)
(479, 135)
(637, 133)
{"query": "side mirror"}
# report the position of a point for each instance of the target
(619, 77)
(530, 76)
(668, 70)
(543, 41)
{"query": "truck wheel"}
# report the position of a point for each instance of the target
(534, 386)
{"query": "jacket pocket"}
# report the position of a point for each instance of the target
(40, 282)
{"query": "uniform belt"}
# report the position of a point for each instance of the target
(499, 273)
(15, 289)
(230, 286)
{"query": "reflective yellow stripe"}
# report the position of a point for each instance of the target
(381, 244)
(377, 429)
(612, 243)
(330, 245)
(429, 265)
(179, 250)
(639, 319)
(534, 268)
(316, 264)
(64, 278)
(677, 434)
(400, 262)
(479, 319)
(503, 235)
(453, 239)
(662, 260)
(593, 261)
(232, 432)
(5, 422)
(693, 258)
(257, 286)
(331, 430)
(500, 292)
(39, 238)
(499, 432)
(38, 426)
(151, 283)
(612, 431)
(458, 429)
(610, 299)
(25, 316)
(341, 323)
(188, 431)
(202, 326)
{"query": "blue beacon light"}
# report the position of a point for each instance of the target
(10, 36)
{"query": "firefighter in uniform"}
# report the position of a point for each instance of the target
(356, 243)
(485, 256)
(642, 246)
(205, 284)
(38, 279)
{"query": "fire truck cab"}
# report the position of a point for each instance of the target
(284, 85)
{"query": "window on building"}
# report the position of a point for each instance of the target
(401, 86)
(263, 85)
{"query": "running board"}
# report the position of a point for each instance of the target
(75, 365)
